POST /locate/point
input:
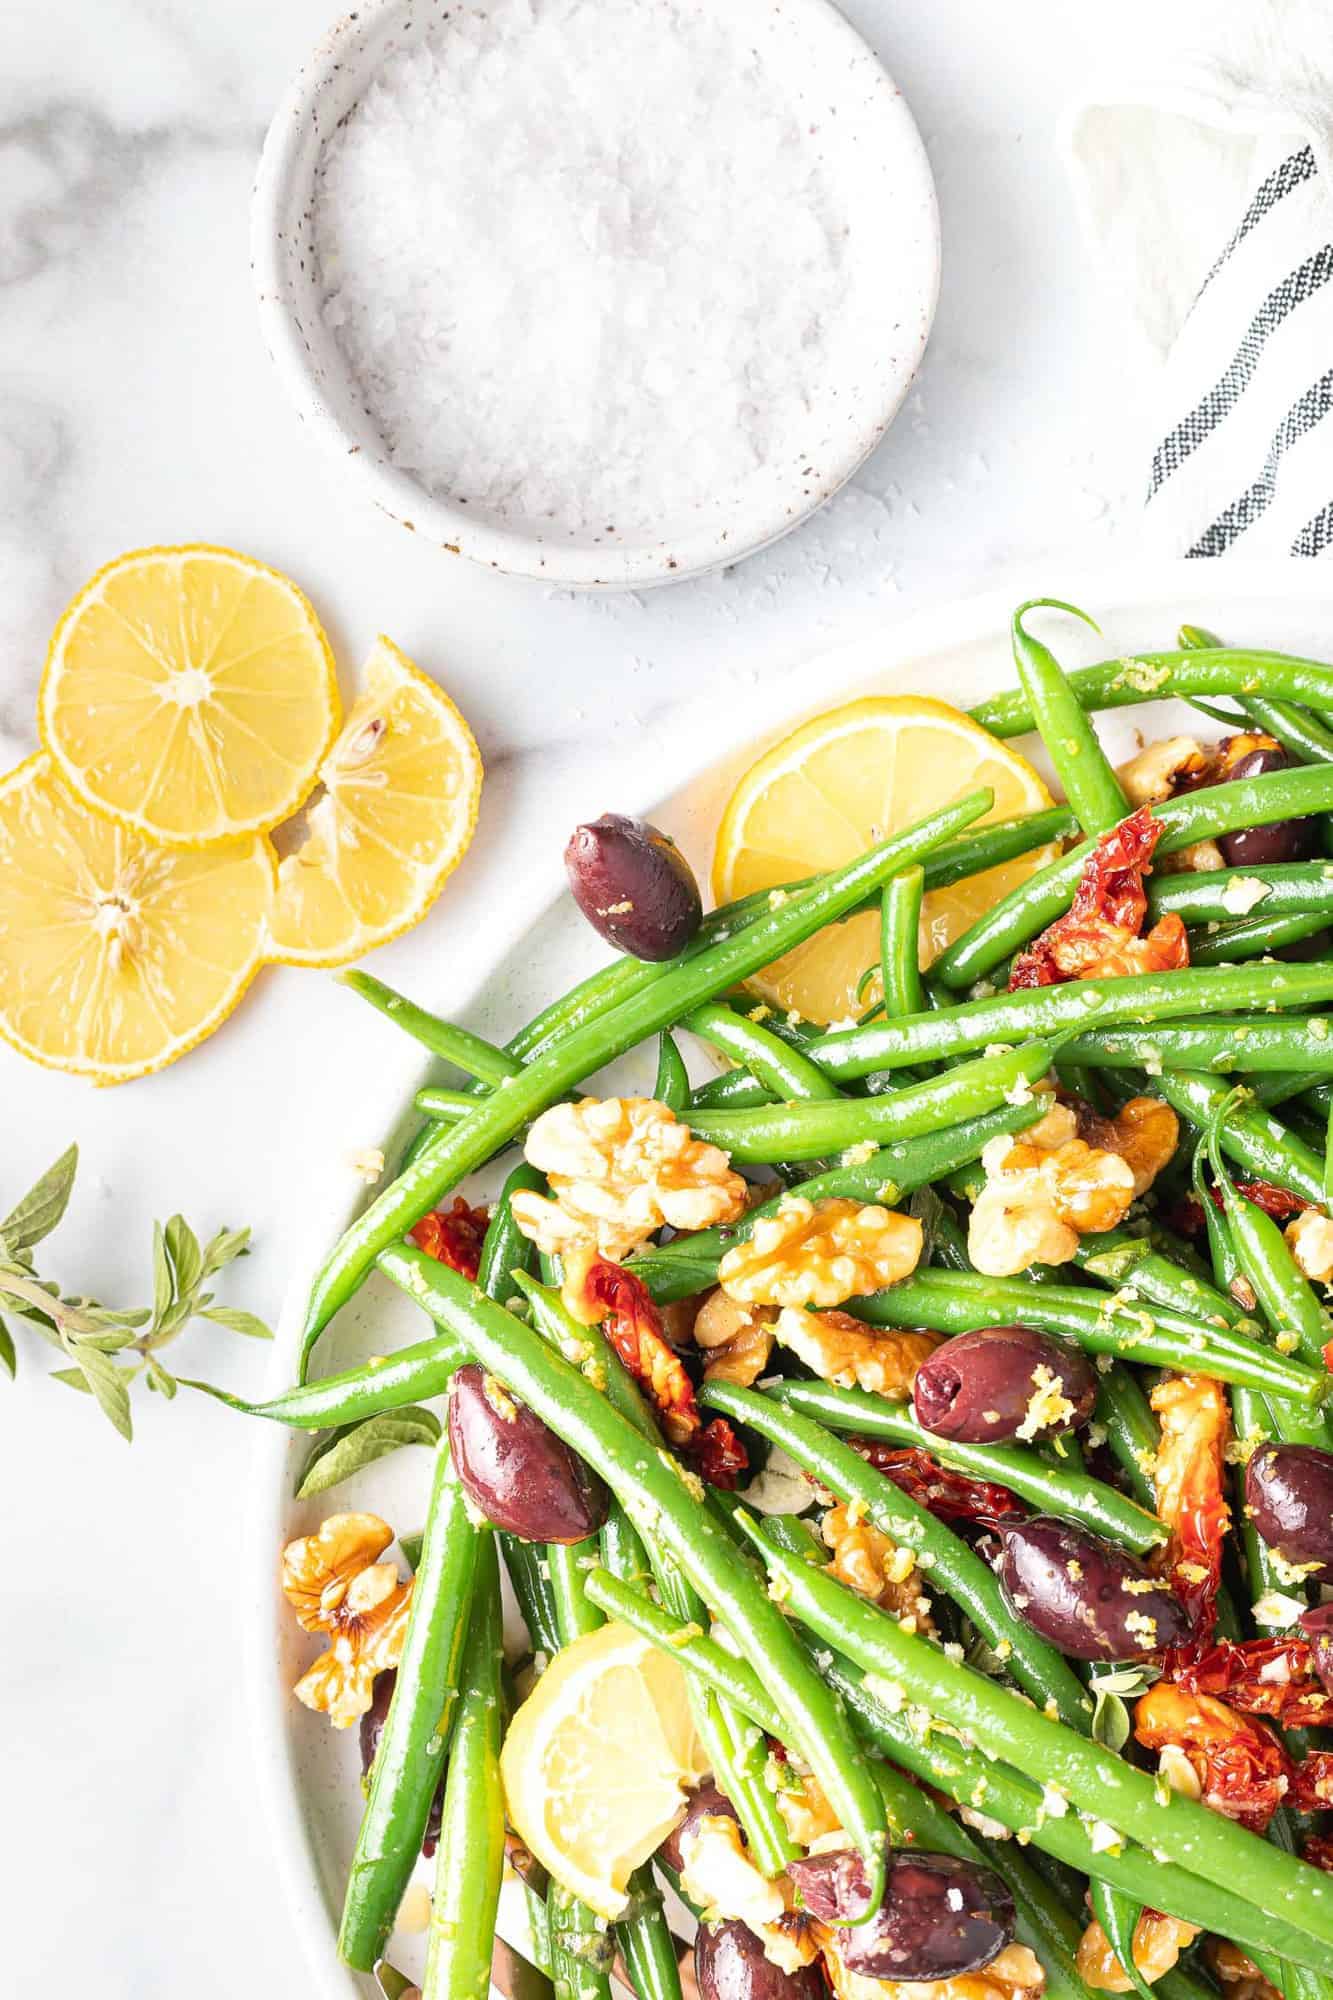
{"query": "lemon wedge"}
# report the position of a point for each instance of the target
(401, 791)
(837, 785)
(116, 955)
(598, 1761)
(189, 693)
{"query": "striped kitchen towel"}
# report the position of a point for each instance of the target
(1208, 197)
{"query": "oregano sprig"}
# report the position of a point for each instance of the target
(107, 1350)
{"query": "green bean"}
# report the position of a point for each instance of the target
(505, 1249)
(472, 1826)
(458, 1151)
(1080, 1005)
(783, 1071)
(387, 1382)
(1270, 1044)
(458, 1046)
(952, 1565)
(1132, 1432)
(1297, 729)
(573, 1614)
(1080, 763)
(672, 1087)
(412, 1747)
(1222, 895)
(1256, 1140)
(812, 1130)
(899, 943)
(1118, 1917)
(1070, 1493)
(1286, 1299)
(959, 1301)
(1173, 675)
(1125, 1262)
(1195, 816)
(446, 1107)
(524, 1561)
(1095, 1780)
(1281, 1085)
(734, 1088)
(646, 1942)
(654, 1492)
(581, 1950)
(1257, 937)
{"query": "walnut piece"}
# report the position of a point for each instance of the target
(1015, 1974)
(1144, 1132)
(1158, 1943)
(334, 1584)
(738, 1339)
(806, 1812)
(818, 1253)
(1238, 1976)
(1310, 1236)
(620, 1167)
(718, 1875)
(871, 1564)
(856, 1356)
(1154, 774)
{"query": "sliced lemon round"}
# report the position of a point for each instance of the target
(598, 1761)
(834, 787)
(189, 693)
(401, 790)
(116, 955)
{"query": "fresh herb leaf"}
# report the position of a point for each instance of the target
(411, 1548)
(356, 1446)
(1111, 1692)
(42, 1206)
(236, 1321)
(108, 1385)
(8, 1358)
(223, 1248)
(187, 1259)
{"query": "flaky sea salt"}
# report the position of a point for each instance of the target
(598, 266)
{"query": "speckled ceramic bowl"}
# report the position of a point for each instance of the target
(873, 145)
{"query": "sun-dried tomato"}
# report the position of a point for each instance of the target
(950, 1496)
(1189, 1487)
(1243, 1768)
(1272, 1677)
(621, 1302)
(454, 1237)
(1318, 1851)
(1312, 1786)
(1278, 1202)
(1101, 934)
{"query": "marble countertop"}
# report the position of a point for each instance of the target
(140, 407)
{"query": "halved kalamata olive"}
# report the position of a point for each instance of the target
(940, 1917)
(1261, 846)
(707, 1802)
(1289, 1497)
(729, 1964)
(1088, 1598)
(1317, 1625)
(998, 1381)
(634, 886)
(372, 1728)
(516, 1471)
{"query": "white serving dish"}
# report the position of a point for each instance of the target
(307, 1770)
(828, 65)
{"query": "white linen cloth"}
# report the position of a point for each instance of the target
(1205, 186)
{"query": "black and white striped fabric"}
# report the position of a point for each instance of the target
(1248, 464)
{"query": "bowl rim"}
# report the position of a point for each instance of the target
(514, 550)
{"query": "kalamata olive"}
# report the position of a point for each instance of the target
(634, 886)
(729, 1964)
(984, 1386)
(516, 1471)
(940, 1917)
(1088, 1598)
(372, 1728)
(1317, 1625)
(1261, 846)
(1289, 1497)
(707, 1802)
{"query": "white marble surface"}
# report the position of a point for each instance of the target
(138, 406)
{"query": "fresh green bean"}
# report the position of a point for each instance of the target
(1286, 1299)
(672, 1087)
(1280, 1086)
(582, 1952)
(1132, 1432)
(1071, 1494)
(446, 1107)
(1173, 675)
(1089, 783)
(1270, 1044)
(1257, 937)
(470, 1857)
(1297, 729)
(458, 1046)
(386, 1382)
(733, 1089)
(782, 1070)
(1080, 1005)
(959, 1301)
(505, 1249)
(654, 1493)
(458, 1151)
(412, 1747)
(813, 1130)
(646, 1942)
(524, 1562)
(1118, 1917)
(899, 943)
(1223, 895)
(1257, 1141)
(953, 1566)
(1194, 816)
(1095, 1780)
(1125, 1262)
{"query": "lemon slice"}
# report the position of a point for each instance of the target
(836, 786)
(116, 955)
(190, 694)
(598, 1761)
(401, 788)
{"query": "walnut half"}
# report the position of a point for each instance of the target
(334, 1584)
(845, 1350)
(818, 1253)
